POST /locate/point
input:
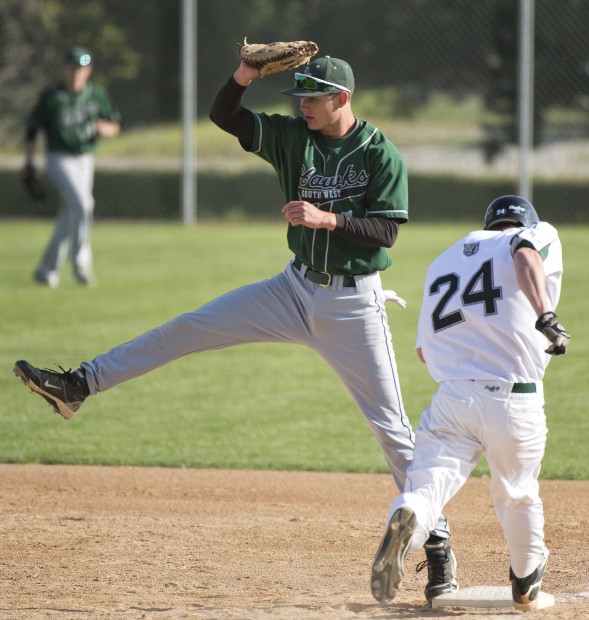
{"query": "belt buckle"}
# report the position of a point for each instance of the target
(320, 278)
(328, 275)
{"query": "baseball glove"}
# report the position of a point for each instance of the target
(548, 324)
(275, 57)
(32, 183)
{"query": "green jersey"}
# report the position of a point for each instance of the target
(69, 118)
(359, 175)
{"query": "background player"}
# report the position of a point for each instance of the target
(487, 310)
(74, 114)
(345, 186)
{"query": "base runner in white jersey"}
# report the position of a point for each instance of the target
(345, 197)
(486, 332)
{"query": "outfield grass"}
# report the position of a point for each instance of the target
(255, 406)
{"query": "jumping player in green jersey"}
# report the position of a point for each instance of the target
(74, 114)
(345, 190)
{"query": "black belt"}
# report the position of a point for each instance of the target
(524, 388)
(322, 278)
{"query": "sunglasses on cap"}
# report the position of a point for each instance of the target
(302, 80)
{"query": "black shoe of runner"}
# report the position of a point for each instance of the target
(526, 591)
(441, 568)
(388, 565)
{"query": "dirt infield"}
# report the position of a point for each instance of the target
(100, 542)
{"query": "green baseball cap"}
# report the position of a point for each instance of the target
(323, 76)
(78, 56)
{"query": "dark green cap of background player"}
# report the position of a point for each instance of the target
(337, 72)
(78, 56)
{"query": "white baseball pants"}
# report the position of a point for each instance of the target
(73, 175)
(465, 420)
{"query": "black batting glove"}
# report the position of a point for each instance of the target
(548, 324)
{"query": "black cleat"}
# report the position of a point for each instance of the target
(387, 568)
(441, 567)
(64, 391)
(526, 590)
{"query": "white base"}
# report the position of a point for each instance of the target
(485, 596)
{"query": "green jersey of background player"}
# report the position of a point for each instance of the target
(345, 189)
(70, 119)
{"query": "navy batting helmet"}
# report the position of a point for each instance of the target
(510, 210)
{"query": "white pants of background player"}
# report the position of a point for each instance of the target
(347, 326)
(73, 176)
(465, 420)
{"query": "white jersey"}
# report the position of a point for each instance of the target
(475, 322)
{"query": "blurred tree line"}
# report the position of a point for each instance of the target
(561, 71)
(418, 47)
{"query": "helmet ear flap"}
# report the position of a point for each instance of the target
(510, 209)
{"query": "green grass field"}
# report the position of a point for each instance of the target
(255, 406)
